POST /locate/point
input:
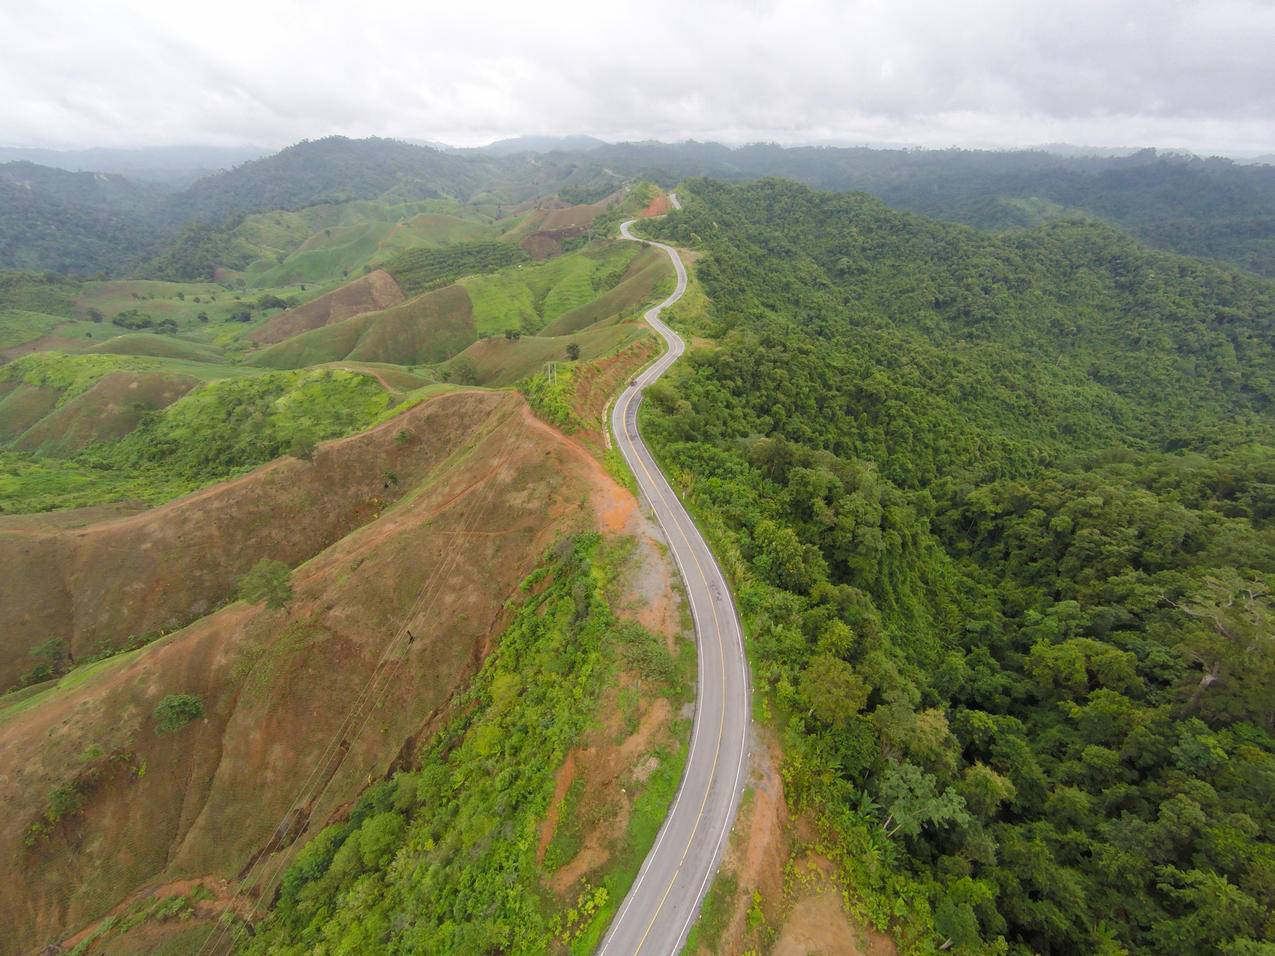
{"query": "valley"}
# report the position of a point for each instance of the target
(400, 558)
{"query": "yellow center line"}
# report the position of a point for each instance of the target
(721, 725)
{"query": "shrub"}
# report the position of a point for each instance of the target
(175, 711)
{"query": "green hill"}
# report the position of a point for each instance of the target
(1000, 517)
(160, 346)
(110, 451)
(429, 328)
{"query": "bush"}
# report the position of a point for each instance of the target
(133, 320)
(175, 711)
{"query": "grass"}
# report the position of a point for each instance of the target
(498, 362)
(435, 229)
(501, 302)
(568, 835)
(185, 302)
(345, 251)
(75, 374)
(159, 346)
(350, 235)
(28, 292)
(714, 915)
(16, 702)
(422, 268)
(530, 296)
(18, 326)
(647, 273)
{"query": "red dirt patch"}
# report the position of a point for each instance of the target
(817, 920)
(802, 903)
(607, 771)
(656, 207)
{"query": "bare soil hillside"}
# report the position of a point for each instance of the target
(488, 487)
(370, 293)
(95, 586)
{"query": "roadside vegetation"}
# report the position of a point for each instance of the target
(443, 857)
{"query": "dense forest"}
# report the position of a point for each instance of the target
(999, 512)
(1204, 207)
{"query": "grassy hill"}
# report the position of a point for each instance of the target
(369, 293)
(276, 410)
(360, 566)
(149, 429)
(429, 328)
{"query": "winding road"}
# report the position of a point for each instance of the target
(664, 900)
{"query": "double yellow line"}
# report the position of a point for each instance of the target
(656, 491)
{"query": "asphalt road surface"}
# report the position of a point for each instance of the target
(664, 900)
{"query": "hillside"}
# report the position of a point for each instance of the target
(998, 514)
(475, 467)
(429, 328)
(369, 293)
(1204, 207)
(335, 169)
(57, 221)
(63, 221)
(210, 556)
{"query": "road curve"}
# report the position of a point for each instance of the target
(664, 900)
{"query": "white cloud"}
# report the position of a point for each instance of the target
(1193, 73)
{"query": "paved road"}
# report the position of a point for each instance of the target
(665, 898)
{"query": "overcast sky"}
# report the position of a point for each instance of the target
(1198, 74)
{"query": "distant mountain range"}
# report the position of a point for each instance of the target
(60, 220)
(175, 166)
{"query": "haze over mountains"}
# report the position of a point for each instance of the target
(83, 221)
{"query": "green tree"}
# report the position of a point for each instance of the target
(831, 691)
(912, 801)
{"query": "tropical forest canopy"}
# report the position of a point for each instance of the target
(999, 510)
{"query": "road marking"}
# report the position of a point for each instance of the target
(660, 492)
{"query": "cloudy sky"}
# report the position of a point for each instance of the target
(1197, 74)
